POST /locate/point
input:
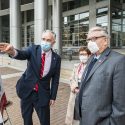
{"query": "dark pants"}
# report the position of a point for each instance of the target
(27, 107)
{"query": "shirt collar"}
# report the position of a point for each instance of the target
(97, 56)
(47, 53)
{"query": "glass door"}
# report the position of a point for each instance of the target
(30, 35)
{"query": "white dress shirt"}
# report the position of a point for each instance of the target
(48, 58)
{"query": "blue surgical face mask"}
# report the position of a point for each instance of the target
(46, 46)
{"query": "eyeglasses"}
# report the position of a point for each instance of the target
(94, 38)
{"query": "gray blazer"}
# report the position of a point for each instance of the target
(103, 98)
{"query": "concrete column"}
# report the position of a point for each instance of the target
(40, 21)
(57, 24)
(25, 29)
(92, 13)
(50, 17)
(15, 23)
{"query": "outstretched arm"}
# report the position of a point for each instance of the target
(12, 52)
(7, 48)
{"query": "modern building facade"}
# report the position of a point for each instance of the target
(22, 21)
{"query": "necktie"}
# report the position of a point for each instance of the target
(41, 70)
(42, 65)
(86, 76)
(90, 68)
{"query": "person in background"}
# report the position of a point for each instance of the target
(72, 116)
(37, 87)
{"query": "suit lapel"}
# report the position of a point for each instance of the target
(38, 58)
(96, 66)
(85, 71)
(53, 63)
(99, 62)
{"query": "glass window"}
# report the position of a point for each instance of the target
(84, 15)
(30, 35)
(5, 28)
(26, 1)
(65, 20)
(100, 0)
(102, 17)
(71, 5)
(75, 30)
(22, 14)
(123, 29)
(79, 3)
(30, 15)
(4, 4)
(118, 1)
(65, 6)
(74, 4)
(84, 2)
(77, 17)
(116, 34)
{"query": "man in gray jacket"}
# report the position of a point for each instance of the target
(102, 91)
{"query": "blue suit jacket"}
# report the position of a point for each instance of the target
(31, 76)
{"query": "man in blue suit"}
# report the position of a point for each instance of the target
(43, 68)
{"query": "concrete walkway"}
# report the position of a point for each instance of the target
(58, 111)
(11, 70)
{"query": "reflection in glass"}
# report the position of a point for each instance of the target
(75, 30)
(5, 28)
(102, 17)
(116, 28)
(30, 35)
(123, 29)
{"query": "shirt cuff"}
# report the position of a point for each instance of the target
(16, 53)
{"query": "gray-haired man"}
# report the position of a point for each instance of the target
(102, 92)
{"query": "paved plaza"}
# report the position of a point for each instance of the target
(11, 70)
(58, 111)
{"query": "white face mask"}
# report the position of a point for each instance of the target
(93, 47)
(83, 59)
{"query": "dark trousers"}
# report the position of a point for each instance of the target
(27, 107)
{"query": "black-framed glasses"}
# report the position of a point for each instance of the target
(93, 38)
